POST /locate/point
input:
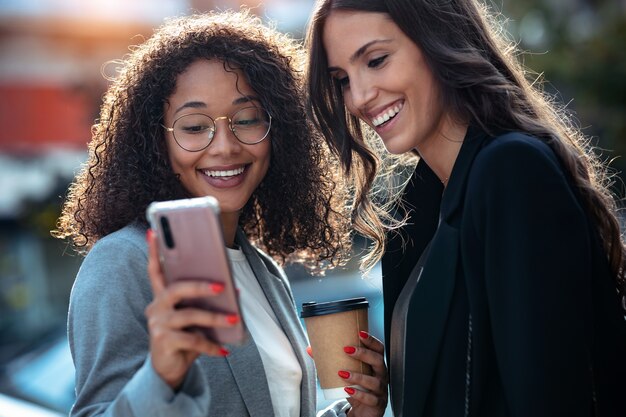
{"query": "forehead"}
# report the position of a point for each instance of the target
(345, 31)
(213, 79)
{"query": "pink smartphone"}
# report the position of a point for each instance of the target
(191, 247)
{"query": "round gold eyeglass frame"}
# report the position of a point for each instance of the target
(212, 132)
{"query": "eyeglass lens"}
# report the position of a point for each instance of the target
(195, 131)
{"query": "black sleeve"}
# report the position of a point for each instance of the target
(531, 238)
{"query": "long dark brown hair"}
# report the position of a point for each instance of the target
(297, 212)
(481, 80)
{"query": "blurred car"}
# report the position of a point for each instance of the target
(13, 407)
(43, 376)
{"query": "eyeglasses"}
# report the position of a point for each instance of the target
(194, 132)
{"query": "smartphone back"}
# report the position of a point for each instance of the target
(191, 247)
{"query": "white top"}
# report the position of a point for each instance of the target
(282, 369)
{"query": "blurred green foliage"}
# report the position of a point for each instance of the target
(579, 46)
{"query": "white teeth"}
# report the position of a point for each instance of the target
(382, 118)
(228, 173)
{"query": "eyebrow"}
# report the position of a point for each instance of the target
(202, 105)
(361, 51)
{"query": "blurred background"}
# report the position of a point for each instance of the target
(51, 58)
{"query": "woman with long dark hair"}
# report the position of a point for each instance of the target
(504, 273)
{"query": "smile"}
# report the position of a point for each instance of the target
(387, 115)
(225, 173)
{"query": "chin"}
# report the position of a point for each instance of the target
(397, 148)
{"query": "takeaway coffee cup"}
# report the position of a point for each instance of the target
(331, 326)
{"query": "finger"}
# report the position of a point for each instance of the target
(365, 398)
(371, 342)
(188, 317)
(375, 385)
(374, 359)
(184, 290)
(172, 341)
(157, 280)
(199, 343)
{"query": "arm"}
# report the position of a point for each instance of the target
(109, 339)
(537, 272)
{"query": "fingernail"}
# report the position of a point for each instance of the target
(232, 318)
(363, 335)
(349, 349)
(349, 390)
(149, 234)
(216, 287)
(224, 352)
(344, 374)
(309, 350)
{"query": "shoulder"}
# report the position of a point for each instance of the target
(117, 262)
(131, 237)
(123, 249)
(271, 264)
(516, 159)
(514, 150)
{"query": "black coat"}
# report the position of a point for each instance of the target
(515, 312)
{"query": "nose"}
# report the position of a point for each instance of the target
(360, 94)
(224, 141)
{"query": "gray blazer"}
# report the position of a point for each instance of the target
(109, 342)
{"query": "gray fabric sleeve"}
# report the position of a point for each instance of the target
(109, 340)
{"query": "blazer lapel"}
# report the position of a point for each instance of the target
(282, 303)
(430, 302)
(247, 367)
(454, 193)
(426, 319)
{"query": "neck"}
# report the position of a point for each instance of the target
(229, 227)
(441, 152)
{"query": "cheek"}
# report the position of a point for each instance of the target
(180, 160)
(347, 101)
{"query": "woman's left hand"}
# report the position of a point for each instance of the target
(374, 402)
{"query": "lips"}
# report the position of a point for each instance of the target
(224, 177)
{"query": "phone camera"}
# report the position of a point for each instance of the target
(167, 232)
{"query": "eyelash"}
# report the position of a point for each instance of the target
(377, 62)
(374, 63)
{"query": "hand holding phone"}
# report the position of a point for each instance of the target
(191, 249)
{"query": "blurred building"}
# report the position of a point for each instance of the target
(53, 57)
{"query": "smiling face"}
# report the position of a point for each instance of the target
(385, 79)
(227, 169)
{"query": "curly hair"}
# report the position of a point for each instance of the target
(298, 212)
(481, 81)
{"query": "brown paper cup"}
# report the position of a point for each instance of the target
(331, 326)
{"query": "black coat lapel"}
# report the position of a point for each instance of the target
(430, 302)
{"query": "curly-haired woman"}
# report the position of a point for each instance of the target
(502, 290)
(172, 126)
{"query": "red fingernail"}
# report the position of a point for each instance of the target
(309, 351)
(216, 287)
(224, 352)
(232, 319)
(149, 234)
(363, 335)
(344, 374)
(349, 390)
(349, 349)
